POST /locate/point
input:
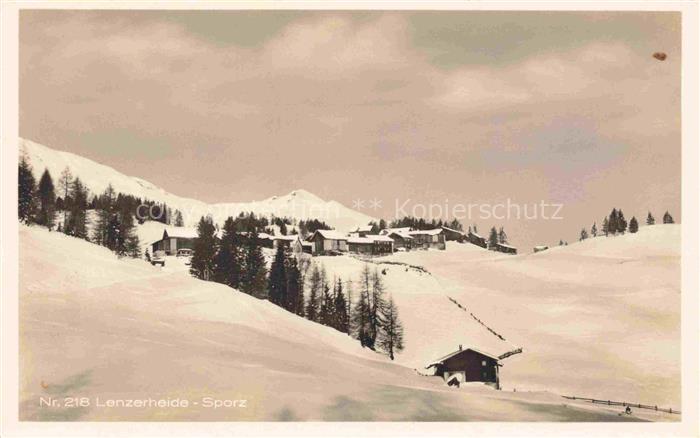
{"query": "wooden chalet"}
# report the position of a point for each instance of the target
(328, 242)
(476, 239)
(428, 239)
(362, 231)
(401, 240)
(371, 244)
(540, 248)
(467, 365)
(502, 247)
(452, 235)
(175, 238)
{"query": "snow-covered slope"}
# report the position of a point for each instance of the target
(600, 318)
(298, 204)
(100, 328)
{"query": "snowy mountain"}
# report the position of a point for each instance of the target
(299, 204)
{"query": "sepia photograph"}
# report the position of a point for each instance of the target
(350, 216)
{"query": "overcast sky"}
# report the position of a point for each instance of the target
(463, 107)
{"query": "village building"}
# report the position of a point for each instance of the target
(467, 365)
(452, 235)
(328, 242)
(428, 239)
(401, 240)
(175, 238)
(362, 231)
(372, 244)
(476, 239)
(502, 247)
(387, 231)
(540, 248)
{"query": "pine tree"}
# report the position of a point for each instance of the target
(77, 219)
(650, 219)
(326, 315)
(178, 219)
(606, 226)
(493, 238)
(340, 309)
(295, 287)
(584, 234)
(104, 216)
(313, 307)
(277, 282)
(391, 333)
(360, 315)
(613, 222)
(594, 230)
(229, 258)
(47, 201)
(65, 183)
(621, 222)
(502, 236)
(254, 278)
(204, 250)
(26, 191)
(376, 306)
(634, 226)
(668, 219)
(128, 241)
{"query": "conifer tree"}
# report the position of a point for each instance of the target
(178, 222)
(634, 226)
(341, 322)
(254, 278)
(613, 222)
(606, 226)
(360, 317)
(668, 219)
(277, 283)
(104, 217)
(295, 287)
(584, 234)
(621, 222)
(502, 237)
(77, 219)
(47, 201)
(594, 230)
(65, 183)
(391, 333)
(376, 306)
(326, 314)
(493, 238)
(650, 219)
(228, 266)
(204, 250)
(26, 191)
(313, 307)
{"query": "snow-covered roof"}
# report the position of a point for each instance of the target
(541, 247)
(452, 229)
(400, 234)
(432, 232)
(506, 246)
(264, 236)
(330, 234)
(364, 228)
(379, 238)
(388, 231)
(360, 240)
(290, 238)
(475, 234)
(454, 353)
(181, 232)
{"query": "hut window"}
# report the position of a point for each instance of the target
(483, 363)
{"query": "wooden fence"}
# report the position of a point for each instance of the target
(616, 403)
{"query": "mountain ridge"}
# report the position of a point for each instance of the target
(298, 203)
